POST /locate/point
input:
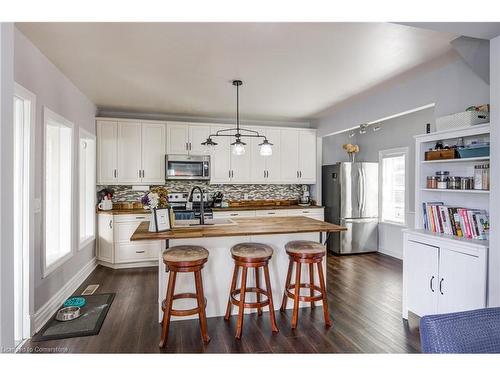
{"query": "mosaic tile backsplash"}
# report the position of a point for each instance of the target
(123, 193)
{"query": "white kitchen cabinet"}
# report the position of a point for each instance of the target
(230, 214)
(153, 153)
(313, 212)
(298, 156)
(265, 169)
(220, 159)
(241, 165)
(185, 139)
(107, 152)
(129, 152)
(271, 213)
(442, 275)
(115, 249)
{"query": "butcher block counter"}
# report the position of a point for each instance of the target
(218, 240)
(240, 227)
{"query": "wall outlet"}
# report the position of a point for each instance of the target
(245, 196)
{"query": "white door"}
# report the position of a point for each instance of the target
(422, 277)
(462, 282)
(197, 135)
(273, 167)
(220, 159)
(105, 242)
(289, 156)
(307, 157)
(240, 164)
(153, 153)
(258, 162)
(177, 138)
(107, 151)
(129, 152)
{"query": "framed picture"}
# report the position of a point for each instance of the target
(161, 217)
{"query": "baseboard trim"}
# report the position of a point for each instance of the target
(391, 253)
(117, 266)
(42, 315)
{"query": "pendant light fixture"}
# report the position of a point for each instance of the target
(238, 146)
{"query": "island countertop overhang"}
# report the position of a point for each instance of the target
(242, 227)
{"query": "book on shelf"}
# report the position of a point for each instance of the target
(456, 221)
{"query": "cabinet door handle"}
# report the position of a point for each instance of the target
(140, 173)
(430, 284)
(111, 224)
(233, 214)
(300, 174)
(114, 173)
(187, 146)
(441, 285)
(140, 217)
(297, 174)
(271, 213)
(140, 251)
(229, 173)
(190, 146)
(143, 174)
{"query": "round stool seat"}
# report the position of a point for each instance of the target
(185, 253)
(305, 248)
(253, 250)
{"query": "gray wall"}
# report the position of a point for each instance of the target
(393, 133)
(448, 82)
(494, 251)
(6, 187)
(54, 90)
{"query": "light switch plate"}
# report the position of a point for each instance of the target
(37, 205)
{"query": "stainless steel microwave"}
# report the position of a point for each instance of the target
(186, 167)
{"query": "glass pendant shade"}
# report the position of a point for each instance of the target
(238, 148)
(266, 149)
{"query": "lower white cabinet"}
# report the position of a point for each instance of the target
(442, 275)
(314, 213)
(115, 249)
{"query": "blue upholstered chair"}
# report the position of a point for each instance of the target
(475, 331)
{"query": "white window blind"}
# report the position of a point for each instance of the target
(87, 166)
(393, 187)
(58, 190)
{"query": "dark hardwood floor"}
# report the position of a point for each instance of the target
(364, 293)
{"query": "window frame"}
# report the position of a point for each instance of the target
(84, 134)
(383, 154)
(49, 115)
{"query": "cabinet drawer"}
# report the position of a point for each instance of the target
(271, 213)
(234, 214)
(309, 212)
(131, 218)
(141, 251)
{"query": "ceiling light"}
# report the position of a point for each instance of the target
(238, 133)
(362, 128)
(351, 134)
(376, 128)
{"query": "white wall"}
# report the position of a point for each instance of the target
(6, 187)
(393, 133)
(448, 82)
(494, 256)
(54, 90)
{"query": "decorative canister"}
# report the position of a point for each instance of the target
(442, 179)
(454, 182)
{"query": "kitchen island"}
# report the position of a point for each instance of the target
(218, 240)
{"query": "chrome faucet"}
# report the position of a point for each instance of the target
(202, 209)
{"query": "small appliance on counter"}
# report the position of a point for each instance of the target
(305, 198)
(217, 199)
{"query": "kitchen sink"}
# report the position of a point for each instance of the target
(208, 223)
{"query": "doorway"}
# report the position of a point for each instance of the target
(24, 125)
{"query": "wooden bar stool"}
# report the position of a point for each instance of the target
(305, 252)
(184, 259)
(250, 255)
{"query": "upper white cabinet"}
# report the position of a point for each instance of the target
(107, 152)
(186, 139)
(133, 152)
(298, 156)
(130, 152)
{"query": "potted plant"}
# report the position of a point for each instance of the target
(352, 150)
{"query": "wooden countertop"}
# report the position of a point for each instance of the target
(257, 208)
(243, 227)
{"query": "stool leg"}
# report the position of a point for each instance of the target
(168, 309)
(287, 285)
(201, 306)
(295, 316)
(311, 282)
(328, 323)
(257, 284)
(269, 290)
(233, 287)
(241, 308)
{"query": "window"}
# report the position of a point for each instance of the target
(58, 190)
(393, 185)
(87, 165)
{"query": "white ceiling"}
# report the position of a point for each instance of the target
(290, 71)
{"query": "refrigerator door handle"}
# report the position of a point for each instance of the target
(360, 193)
(363, 192)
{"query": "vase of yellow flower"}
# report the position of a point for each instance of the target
(352, 150)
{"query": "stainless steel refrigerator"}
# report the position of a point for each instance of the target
(350, 196)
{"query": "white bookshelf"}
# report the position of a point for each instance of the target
(478, 199)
